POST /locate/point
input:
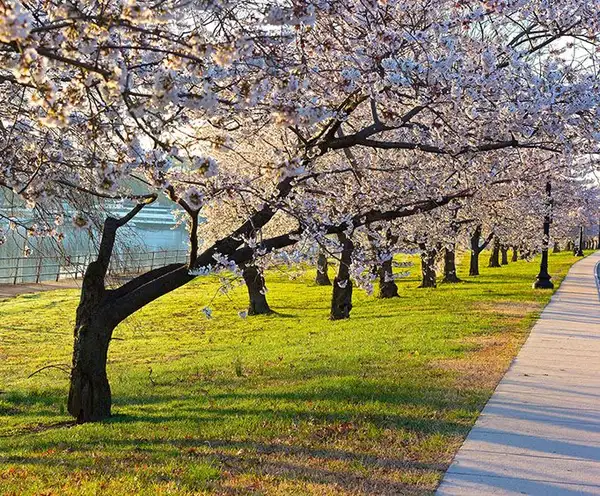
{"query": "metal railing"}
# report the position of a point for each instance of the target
(36, 269)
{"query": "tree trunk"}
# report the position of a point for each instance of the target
(322, 278)
(100, 310)
(474, 263)
(495, 255)
(341, 300)
(387, 286)
(515, 254)
(475, 251)
(428, 267)
(255, 283)
(450, 266)
(89, 391)
(504, 251)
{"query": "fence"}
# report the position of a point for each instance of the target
(15, 270)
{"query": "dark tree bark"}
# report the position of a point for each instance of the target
(515, 254)
(450, 265)
(495, 255)
(450, 275)
(504, 251)
(193, 236)
(428, 266)
(89, 391)
(341, 300)
(474, 262)
(475, 251)
(100, 310)
(255, 283)
(322, 278)
(387, 286)
(556, 248)
(477, 248)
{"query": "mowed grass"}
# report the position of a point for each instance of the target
(290, 403)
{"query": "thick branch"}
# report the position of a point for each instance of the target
(228, 245)
(487, 241)
(362, 138)
(150, 291)
(140, 280)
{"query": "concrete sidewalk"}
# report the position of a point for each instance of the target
(11, 290)
(540, 432)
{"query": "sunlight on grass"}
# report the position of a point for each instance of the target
(290, 403)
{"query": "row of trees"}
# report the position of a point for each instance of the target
(447, 230)
(354, 126)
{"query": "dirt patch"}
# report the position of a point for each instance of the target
(510, 308)
(484, 367)
(491, 354)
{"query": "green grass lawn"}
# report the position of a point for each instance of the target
(284, 404)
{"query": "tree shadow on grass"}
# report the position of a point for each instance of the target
(273, 469)
(321, 431)
(13, 403)
(40, 427)
(351, 471)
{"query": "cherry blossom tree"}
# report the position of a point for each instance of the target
(372, 112)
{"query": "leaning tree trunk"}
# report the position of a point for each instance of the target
(255, 283)
(450, 266)
(341, 299)
(322, 278)
(387, 286)
(428, 267)
(504, 251)
(495, 255)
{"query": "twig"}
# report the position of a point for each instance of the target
(152, 381)
(64, 368)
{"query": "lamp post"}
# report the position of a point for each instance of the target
(542, 281)
(579, 252)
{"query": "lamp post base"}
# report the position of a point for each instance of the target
(543, 281)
